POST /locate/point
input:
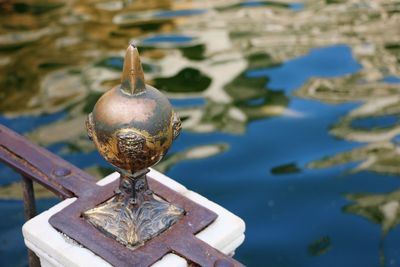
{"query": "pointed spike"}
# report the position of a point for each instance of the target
(132, 80)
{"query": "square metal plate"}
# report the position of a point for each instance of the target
(178, 239)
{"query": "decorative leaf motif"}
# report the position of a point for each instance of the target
(132, 225)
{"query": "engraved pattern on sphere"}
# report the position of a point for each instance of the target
(130, 144)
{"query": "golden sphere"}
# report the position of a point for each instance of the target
(133, 124)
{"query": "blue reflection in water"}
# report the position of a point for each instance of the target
(256, 101)
(167, 38)
(391, 79)
(187, 102)
(334, 61)
(178, 13)
(287, 212)
(375, 122)
(12, 248)
(292, 6)
(114, 62)
(296, 6)
(253, 3)
(25, 124)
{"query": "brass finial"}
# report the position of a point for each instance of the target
(133, 126)
(132, 80)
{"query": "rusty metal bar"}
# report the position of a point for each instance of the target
(29, 198)
(36, 163)
(30, 212)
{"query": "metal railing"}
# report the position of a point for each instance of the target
(36, 164)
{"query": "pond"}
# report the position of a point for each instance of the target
(290, 112)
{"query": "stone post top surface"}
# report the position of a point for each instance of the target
(226, 233)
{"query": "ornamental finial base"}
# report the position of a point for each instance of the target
(134, 215)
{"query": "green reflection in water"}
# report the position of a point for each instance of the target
(285, 169)
(35, 8)
(382, 209)
(195, 52)
(254, 4)
(320, 246)
(187, 80)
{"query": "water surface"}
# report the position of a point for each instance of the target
(290, 113)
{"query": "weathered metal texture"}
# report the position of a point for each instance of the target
(66, 180)
(133, 215)
(133, 126)
(30, 212)
(34, 162)
(179, 238)
(29, 198)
